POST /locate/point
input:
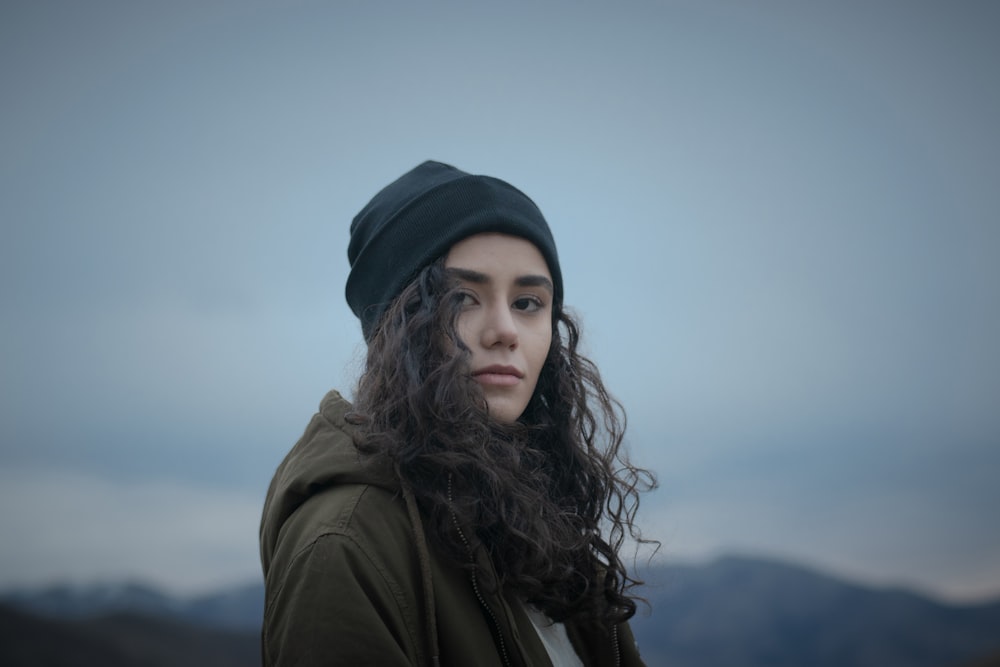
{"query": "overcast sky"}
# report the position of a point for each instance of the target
(780, 223)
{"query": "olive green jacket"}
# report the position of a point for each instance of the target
(350, 579)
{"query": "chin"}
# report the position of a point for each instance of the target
(505, 412)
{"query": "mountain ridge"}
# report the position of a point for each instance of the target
(733, 611)
(746, 611)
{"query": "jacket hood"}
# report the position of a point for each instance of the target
(326, 455)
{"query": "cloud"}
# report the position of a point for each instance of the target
(779, 227)
(868, 523)
(65, 526)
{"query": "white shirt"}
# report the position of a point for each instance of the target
(554, 638)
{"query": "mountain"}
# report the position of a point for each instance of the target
(69, 601)
(120, 640)
(744, 612)
(731, 612)
(238, 608)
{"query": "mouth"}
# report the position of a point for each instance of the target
(503, 376)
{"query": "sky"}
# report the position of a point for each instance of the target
(778, 221)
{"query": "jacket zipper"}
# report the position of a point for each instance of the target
(615, 645)
(475, 585)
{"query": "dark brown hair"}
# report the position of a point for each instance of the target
(551, 498)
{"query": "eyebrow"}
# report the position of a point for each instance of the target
(530, 280)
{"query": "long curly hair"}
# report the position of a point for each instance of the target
(552, 498)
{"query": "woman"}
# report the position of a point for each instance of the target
(469, 508)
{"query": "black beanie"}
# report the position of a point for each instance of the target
(418, 217)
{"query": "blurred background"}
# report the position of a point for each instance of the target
(779, 221)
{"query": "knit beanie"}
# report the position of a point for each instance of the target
(418, 217)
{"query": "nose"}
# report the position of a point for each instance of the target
(499, 328)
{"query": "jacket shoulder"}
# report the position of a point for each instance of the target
(344, 578)
(326, 456)
(371, 517)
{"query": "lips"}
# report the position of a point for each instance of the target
(502, 376)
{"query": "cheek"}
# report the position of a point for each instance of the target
(539, 351)
(464, 327)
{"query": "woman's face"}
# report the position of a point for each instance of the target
(506, 317)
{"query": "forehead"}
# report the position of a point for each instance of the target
(497, 252)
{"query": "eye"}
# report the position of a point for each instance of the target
(528, 304)
(466, 299)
